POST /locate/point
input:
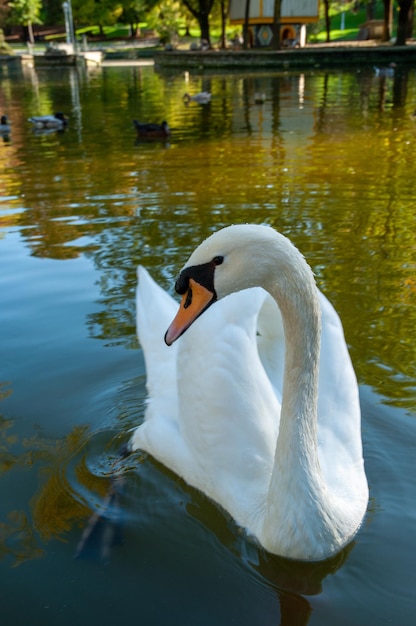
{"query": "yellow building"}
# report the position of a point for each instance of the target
(295, 15)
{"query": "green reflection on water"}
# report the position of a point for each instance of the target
(327, 159)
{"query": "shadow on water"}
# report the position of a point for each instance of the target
(291, 580)
(78, 478)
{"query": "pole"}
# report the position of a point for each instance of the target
(69, 24)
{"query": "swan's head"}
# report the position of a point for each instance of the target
(234, 258)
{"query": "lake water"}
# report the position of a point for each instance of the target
(329, 160)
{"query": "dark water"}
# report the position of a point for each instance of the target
(328, 159)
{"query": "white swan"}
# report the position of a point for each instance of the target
(284, 460)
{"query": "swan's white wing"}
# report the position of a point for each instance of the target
(220, 351)
(228, 411)
(339, 415)
(214, 419)
(154, 310)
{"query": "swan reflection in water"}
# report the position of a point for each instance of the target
(78, 472)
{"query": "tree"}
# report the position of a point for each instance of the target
(327, 21)
(26, 13)
(201, 10)
(224, 12)
(4, 46)
(276, 24)
(246, 25)
(103, 13)
(388, 19)
(405, 7)
(135, 11)
(167, 18)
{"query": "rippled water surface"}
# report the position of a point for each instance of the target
(329, 160)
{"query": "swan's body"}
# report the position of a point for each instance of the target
(44, 122)
(286, 463)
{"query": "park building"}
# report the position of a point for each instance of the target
(295, 15)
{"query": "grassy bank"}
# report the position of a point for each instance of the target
(345, 26)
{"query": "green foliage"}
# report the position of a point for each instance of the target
(105, 12)
(25, 12)
(167, 19)
(4, 49)
(135, 11)
(336, 8)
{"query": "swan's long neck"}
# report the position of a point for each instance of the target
(297, 441)
(298, 424)
(296, 510)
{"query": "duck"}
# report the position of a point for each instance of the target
(5, 126)
(56, 121)
(386, 72)
(259, 97)
(152, 130)
(252, 395)
(204, 97)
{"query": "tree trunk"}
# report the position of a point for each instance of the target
(30, 33)
(402, 21)
(327, 21)
(371, 10)
(245, 25)
(223, 42)
(410, 18)
(204, 27)
(202, 16)
(388, 19)
(134, 30)
(276, 24)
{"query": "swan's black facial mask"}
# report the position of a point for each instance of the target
(201, 274)
(196, 286)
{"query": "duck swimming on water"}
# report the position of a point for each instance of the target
(152, 130)
(204, 97)
(386, 72)
(5, 126)
(56, 121)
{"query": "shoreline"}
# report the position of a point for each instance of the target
(312, 56)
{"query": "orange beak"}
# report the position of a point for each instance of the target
(194, 302)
